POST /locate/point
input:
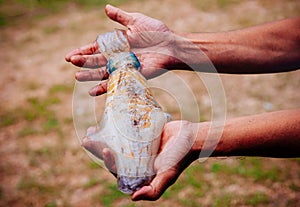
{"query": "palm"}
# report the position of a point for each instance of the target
(171, 161)
(148, 39)
(175, 133)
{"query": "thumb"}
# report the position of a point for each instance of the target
(118, 15)
(157, 187)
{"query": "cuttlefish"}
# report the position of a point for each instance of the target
(132, 121)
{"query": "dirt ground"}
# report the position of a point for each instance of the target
(41, 161)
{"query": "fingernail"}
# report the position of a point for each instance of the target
(93, 93)
(73, 58)
(67, 58)
(91, 130)
(108, 7)
(77, 75)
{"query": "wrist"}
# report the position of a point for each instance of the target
(195, 51)
(200, 132)
(209, 140)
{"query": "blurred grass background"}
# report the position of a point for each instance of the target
(41, 162)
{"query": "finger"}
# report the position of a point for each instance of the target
(88, 61)
(157, 187)
(109, 161)
(99, 89)
(89, 49)
(91, 75)
(91, 130)
(93, 147)
(118, 15)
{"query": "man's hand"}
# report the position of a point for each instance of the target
(150, 40)
(169, 164)
(171, 161)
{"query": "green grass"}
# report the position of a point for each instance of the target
(225, 3)
(51, 204)
(93, 165)
(294, 187)
(44, 151)
(111, 195)
(32, 184)
(31, 85)
(7, 118)
(53, 6)
(245, 21)
(14, 12)
(216, 167)
(209, 5)
(3, 20)
(35, 109)
(51, 124)
(51, 29)
(45, 154)
(37, 115)
(248, 168)
(257, 198)
(60, 88)
(253, 168)
(175, 189)
(190, 202)
(130, 205)
(223, 201)
(39, 108)
(26, 131)
(92, 182)
(297, 160)
(192, 177)
(68, 120)
(99, 3)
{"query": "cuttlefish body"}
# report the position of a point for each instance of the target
(132, 121)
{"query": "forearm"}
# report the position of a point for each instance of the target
(267, 48)
(275, 134)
